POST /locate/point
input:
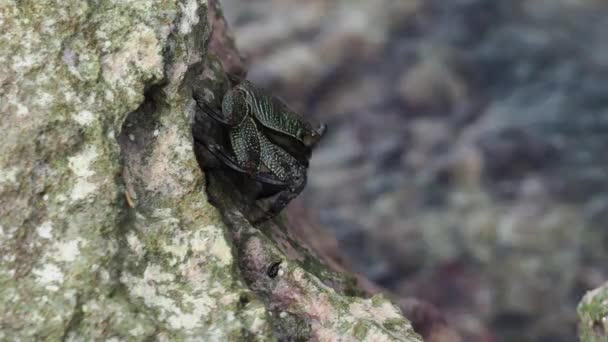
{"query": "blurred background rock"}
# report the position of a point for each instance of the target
(467, 152)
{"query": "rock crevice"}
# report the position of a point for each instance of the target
(105, 227)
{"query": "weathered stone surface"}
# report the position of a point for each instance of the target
(593, 315)
(105, 228)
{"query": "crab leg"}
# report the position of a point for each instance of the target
(221, 154)
(214, 114)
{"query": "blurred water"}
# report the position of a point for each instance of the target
(466, 156)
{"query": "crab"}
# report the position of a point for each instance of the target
(269, 142)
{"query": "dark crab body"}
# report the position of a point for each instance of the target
(268, 141)
(272, 113)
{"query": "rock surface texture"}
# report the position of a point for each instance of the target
(105, 228)
(593, 315)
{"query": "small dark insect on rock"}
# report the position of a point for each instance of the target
(273, 269)
(266, 141)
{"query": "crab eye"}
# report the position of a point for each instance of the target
(311, 139)
(321, 130)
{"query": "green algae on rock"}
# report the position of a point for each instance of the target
(105, 230)
(84, 87)
(593, 315)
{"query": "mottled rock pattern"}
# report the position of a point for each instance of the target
(105, 228)
(593, 315)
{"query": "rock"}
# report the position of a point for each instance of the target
(105, 228)
(593, 315)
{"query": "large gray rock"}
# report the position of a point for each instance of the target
(105, 227)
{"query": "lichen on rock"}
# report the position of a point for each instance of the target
(593, 315)
(105, 228)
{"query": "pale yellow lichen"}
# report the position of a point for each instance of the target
(45, 230)
(190, 18)
(80, 165)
